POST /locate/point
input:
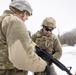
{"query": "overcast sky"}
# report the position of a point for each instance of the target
(63, 11)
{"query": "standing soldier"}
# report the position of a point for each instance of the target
(16, 49)
(48, 41)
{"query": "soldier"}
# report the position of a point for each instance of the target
(16, 49)
(45, 39)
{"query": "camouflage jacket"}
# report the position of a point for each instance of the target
(15, 45)
(50, 43)
(4, 61)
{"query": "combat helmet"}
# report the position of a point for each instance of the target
(21, 5)
(49, 22)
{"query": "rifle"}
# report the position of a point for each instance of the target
(49, 58)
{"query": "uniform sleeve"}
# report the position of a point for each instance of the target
(34, 36)
(57, 48)
(20, 49)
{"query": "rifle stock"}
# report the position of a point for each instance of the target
(49, 58)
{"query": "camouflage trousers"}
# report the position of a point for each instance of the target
(52, 71)
(13, 72)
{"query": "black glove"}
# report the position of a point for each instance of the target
(47, 70)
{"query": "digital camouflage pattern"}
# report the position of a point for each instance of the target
(4, 61)
(51, 44)
(16, 49)
(15, 44)
(49, 22)
(22, 5)
(6, 67)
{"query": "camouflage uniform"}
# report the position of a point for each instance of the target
(51, 43)
(6, 67)
(16, 50)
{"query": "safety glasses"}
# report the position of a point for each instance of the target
(47, 29)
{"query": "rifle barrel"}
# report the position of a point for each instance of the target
(53, 60)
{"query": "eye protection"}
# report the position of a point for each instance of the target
(47, 29)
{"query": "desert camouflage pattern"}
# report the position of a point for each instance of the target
(49, 22)
(4, 61)
(13, 71)
(51, 44)
(16, 46)
(6, 67)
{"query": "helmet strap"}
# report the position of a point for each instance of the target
(18, 13)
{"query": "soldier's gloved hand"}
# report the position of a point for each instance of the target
(47, 70)
(38, 52)
(50, 62)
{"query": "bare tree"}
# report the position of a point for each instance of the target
(68, 38)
